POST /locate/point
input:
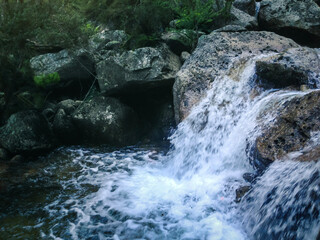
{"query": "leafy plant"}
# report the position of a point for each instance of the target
(46, 79)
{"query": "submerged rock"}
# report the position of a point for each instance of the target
(107, 121)
(293, 18)
(26, 132)
(144, 67)
(290, 131)
(219, 54)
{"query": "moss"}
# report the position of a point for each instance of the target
(46, 79)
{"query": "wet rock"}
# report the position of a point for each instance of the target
(297, 19)
(294, 67)
(26, 132)
(144, 67)
(290, 131)
(181, 40)
(70, 65)
(248, 6)
(249, 177)
(106, 120)
(241, 191)
(219, 54)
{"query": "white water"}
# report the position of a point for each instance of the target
(190, 192)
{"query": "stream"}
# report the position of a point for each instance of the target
(186, 191)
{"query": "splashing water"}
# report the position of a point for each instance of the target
(188, 193)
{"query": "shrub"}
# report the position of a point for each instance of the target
(46, 79)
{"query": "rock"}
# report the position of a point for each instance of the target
(64, 128)
(70, 65)
(69, 105)
(107, 40)
(241, 191)
(231, 28)
(296, 67)
(248, 6)
(144, 67)
(290, 131)
(184, 56)
(297, 19)
(249, 177)
(243, 19)
(48, 113)
(4, 155)
(26, 132)
(107, 121)
(309, 155)
(181, 40)
(216, 55)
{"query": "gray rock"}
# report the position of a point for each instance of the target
(69, 105)
(241, 191)
(107, 40)
(181, 40)
(248, 6)
(231, 28)
(71, 66)
(142, 67)
(216, 55)
(106, 120)
(26, 132)
(296, 67)
(290, 131)
(292, 17)
(242, 19)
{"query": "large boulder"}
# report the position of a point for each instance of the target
(70, 65)
(106, 120)
(290, 131)
(26, 132)
(293, 18)
(144, 67)
(295, 67)
(215, 55)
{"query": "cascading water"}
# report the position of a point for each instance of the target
(188, 193)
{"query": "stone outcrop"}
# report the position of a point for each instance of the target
(290, 131)
(70, 65)
(26, 132)
(293, 18)
(144, 67)
(107, 121)
(215, 56)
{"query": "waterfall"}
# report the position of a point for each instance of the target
(190, 192)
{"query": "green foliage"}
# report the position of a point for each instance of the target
(198, 14)
(46, 79)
